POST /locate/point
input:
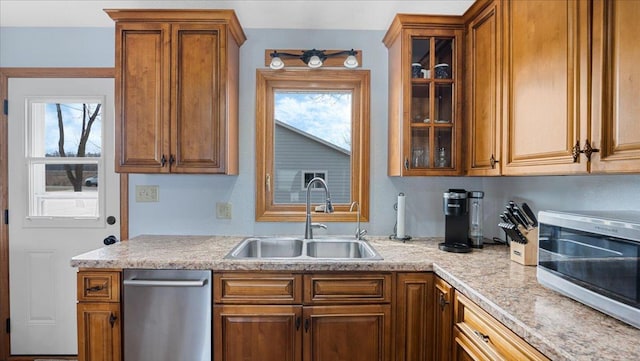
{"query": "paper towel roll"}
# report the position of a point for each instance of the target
(400, 220)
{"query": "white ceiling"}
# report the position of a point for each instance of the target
(256, 14)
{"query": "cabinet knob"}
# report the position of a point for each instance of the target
(298, 321)
(163, 161)
(493, 161)
(172, 159)
(406, 163)
(443, 301)
(588, 150)
(306, 325)
(112, 320)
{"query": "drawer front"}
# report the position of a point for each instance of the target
(248, 288)
(98, 286)
(489, 335)
(347, 288)
(465, 350)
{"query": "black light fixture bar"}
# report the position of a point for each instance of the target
(313, 58)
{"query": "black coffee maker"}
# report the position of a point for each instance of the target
(456, 213)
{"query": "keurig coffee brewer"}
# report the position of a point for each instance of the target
(456, 213)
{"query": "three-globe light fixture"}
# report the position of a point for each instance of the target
(313, 58)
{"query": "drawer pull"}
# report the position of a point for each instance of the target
(484, 337)
(95, 288)
(298, 321)
(306, 325)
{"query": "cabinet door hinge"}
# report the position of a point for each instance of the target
(8, 326)
(6, 216)
(5, 107)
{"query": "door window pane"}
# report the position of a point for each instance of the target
(64, 157)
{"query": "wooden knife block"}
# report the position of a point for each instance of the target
(526, 254)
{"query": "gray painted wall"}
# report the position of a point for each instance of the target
(187, 202)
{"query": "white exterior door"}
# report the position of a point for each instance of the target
(63, 192)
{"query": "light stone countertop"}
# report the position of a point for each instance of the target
(557, 326)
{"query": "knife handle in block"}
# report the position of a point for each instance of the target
(526, 254)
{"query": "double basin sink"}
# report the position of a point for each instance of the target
(286, 248)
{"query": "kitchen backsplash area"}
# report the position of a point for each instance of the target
(187, 203)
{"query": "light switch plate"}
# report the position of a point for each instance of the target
(223, 210)
(147, 193)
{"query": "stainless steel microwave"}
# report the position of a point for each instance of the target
(594, 258)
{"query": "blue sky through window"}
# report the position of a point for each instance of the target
(72, 123)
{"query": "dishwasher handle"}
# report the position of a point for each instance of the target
(165, 283)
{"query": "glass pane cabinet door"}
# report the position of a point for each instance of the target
(443, 144)
(443, 59)
(420, 146)
(425, 94)
(420, 57)
(420, 101)
(432, 115)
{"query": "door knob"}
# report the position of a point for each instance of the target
(110, 240)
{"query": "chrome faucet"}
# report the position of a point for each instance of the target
(359, 232)
(328, 207)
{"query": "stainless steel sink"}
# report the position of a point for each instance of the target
(289, 248)
(336, 248)
(267, 247)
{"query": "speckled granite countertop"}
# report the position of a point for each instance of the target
(557, 326)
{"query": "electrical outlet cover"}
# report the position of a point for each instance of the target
(223, 210)
(146, 193)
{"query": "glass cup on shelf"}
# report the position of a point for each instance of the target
(441, 161)
(418, 159)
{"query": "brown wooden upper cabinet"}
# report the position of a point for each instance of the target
(615, 109)
(483, 88)
(552, 87)
(177, 90)
(546, 70)
(425, 95)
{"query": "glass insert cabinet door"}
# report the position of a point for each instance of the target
(432, 119)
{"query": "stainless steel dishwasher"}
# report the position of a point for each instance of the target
(167, 315)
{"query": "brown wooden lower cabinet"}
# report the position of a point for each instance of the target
(414, 317)
(353, 329)
(99, 315)
(443, 320)
(266, 333)
(482, 337)
(349, 333)
(99, 332)
(375, 316)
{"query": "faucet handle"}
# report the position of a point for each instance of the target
(319, 225)
(360, 233)
(328, 208)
